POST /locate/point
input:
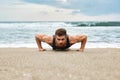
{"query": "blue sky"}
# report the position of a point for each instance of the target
(60, 10)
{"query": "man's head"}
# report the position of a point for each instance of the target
(60, 37)
(60, 32)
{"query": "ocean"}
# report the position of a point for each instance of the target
(22, 34)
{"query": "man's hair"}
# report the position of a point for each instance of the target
(60, 32)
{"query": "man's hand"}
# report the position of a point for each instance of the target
(42, 49)
(81, 50)
(82, 39)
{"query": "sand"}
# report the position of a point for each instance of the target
(30, 64)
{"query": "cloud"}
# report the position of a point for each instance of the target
(75, 12)
(88, 7)
(56, 10)
(9, 2)
(64, 1)
(33, 12)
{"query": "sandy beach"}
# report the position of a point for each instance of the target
(30, 64)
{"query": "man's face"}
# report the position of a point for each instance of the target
(61, 40)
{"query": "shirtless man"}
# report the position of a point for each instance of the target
(60, 41)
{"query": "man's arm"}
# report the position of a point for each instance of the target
(42, 38)
(82, 39)
(38, 39)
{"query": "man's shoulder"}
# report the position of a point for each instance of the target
(71, 36)
(48, 37)
(72, 39)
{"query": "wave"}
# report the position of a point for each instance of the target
(94, 23)
(63, 23)
(21, 34)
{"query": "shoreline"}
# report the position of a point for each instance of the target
(88, 45)
(30, 64)
(86, 50)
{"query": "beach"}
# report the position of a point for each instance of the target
(30, 64)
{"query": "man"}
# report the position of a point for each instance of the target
(60, 41)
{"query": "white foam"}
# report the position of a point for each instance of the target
(77, 45)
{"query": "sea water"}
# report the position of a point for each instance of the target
(22, 34)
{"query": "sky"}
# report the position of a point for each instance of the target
(59, 10)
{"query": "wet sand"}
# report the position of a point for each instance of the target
(30, 64)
